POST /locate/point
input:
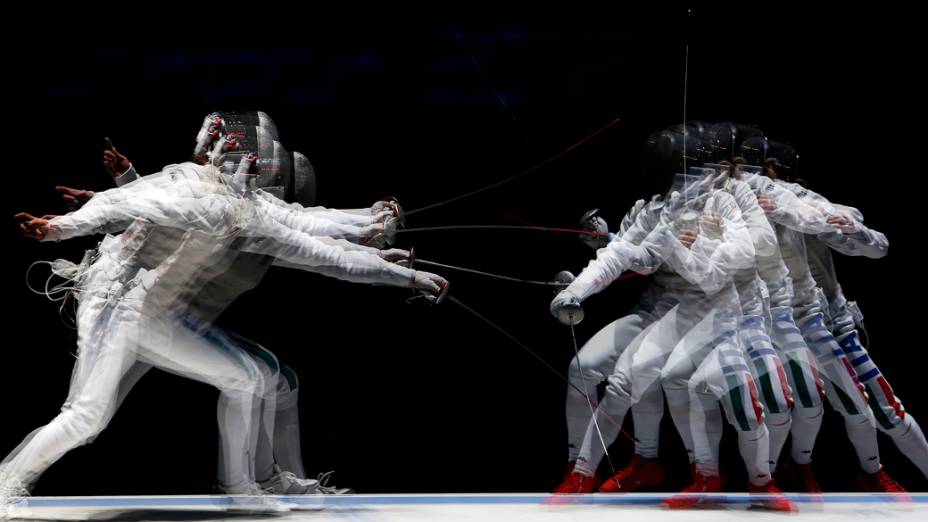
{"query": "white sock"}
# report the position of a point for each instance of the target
(678, 402)
(647, 414)
(863, 436)
(911, 442)
(755, 450)
(806, 424)
(287, 446)
(778, 425)
(578, 418)
(602, 433)
(707, 425)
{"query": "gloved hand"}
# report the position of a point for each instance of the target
(389, 204)
(592, 222)
(566, 308)
(382, 205)
(389, 229)
(434, 286)
(395, 255)
(428, 281)
(210, 131)
(381, 216)
(375, 235)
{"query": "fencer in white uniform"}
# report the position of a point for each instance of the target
(277, 455)
(833, 370)
(125, 308)
(596, 360)
(769, 380)
(854, 238)
(708, 265)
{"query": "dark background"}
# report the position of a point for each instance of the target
(408, 398)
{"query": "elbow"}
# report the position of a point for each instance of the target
(878, 252)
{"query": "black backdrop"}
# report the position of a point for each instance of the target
(402, 398)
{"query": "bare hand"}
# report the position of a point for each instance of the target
(842, 222)
(711, 223)
(766, 204)
(74, 198)
(687, 237)
(34, 227)
(115, 163)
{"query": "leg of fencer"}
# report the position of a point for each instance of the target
(858, 423)
(90, 406)
(770, 377)
(754, 447)
(691, 342)
(263, 419)
(637, 369)
(862, 435)
(808, 409)
(806, 424)
(609, 417)
(891, 417)
(647, 414)
(803, 377)
(843, 391)
(130, 379)
(590, 367)
(235, 465)
(707, 426)
(705, 419)
(287, 446)
(834, 365)
(911, 442)
(216, 360)
(779, 425)
(745, 413)
(264, 409)
(675, 377)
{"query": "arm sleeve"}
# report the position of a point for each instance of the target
(610, 262)
(210, 214)
(127, 177)
(295, 249)
(348, 245)
(711, 261)
(357, 217)
(311, 224)
(625, 252)
(792, 211)
(762, 234)
(865, 242)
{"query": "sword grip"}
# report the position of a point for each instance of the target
(570, 314)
